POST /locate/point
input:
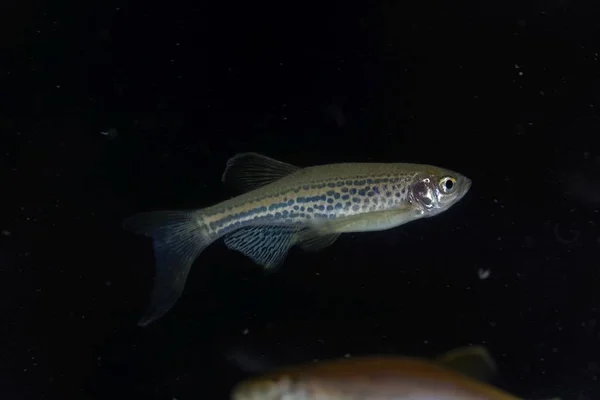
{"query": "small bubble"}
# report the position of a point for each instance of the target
(483, 273)
(112, 133)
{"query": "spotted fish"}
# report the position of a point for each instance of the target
(460, 374)
(283, 205)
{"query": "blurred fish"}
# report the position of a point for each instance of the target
(457, 375)
(582, 186)
(336, 113)
(284, 205)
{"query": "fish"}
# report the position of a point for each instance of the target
(460, 374)
(282, 205)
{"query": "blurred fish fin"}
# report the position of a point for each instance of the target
(558, 398)
(311, 241)
(473, 361)
(178, 238)
(249, 171)
(248, 361)
(266, 245)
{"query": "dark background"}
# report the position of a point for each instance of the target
(115, 107)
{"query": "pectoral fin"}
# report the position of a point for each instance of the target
(311, 241)
(473, 361)
(371, 221)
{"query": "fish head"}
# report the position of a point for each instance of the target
(437, 189)
(262, 389)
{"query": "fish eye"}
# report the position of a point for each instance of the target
(447, 184)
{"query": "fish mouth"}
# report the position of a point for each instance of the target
(467, 184)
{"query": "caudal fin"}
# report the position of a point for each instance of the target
(178, 238)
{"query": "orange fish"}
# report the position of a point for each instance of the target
(457, 375)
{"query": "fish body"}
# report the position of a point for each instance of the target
(458, 375)
(325, 192)
(282, 205)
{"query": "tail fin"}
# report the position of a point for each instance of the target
(178, 238)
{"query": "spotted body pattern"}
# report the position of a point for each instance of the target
(296, 204)
(282, 205)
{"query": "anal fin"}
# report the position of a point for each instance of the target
(266, 245)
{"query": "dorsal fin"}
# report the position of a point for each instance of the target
(249, 171)
(473, 361)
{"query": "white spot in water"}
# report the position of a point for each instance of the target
(112, 132)
(483, 273)
(245, 331)
(347, 355)
(108, 283)
(6, 233)
(517, 66)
